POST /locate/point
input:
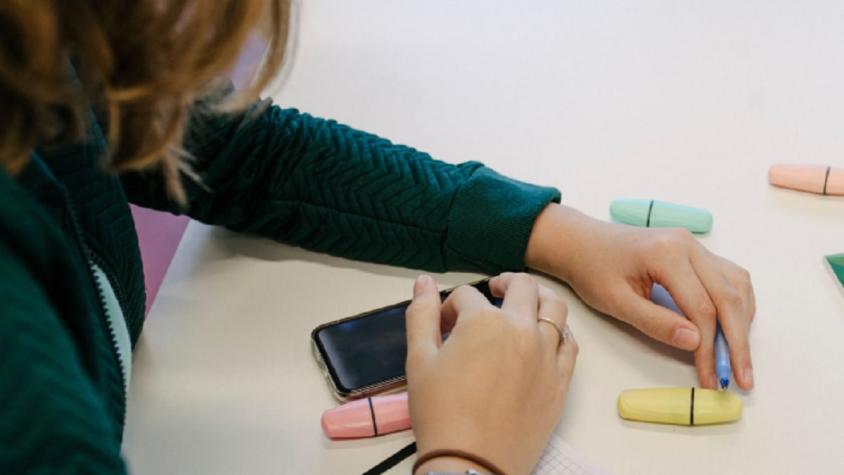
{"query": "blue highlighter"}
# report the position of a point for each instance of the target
(722, 358)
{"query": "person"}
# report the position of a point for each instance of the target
(117, 102)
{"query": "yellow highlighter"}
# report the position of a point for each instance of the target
(679, 406)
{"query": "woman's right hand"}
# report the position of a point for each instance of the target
(497, 386)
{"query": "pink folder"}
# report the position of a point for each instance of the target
(158, 235)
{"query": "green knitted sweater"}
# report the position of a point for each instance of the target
(272, 171)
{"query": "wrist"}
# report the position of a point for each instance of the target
(448, 464)
(555, 240)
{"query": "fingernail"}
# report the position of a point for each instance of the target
(685, 338)
(748, 376)
(422, 282)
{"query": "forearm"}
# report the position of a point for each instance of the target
(554, 241)
(330, 188)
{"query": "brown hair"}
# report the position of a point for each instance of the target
(140, 64)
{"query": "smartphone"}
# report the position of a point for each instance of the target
(365, 354)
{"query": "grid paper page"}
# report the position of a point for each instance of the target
(560, 459)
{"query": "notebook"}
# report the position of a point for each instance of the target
(835, 263)
(560, 458)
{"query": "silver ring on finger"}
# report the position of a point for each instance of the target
(559, 330)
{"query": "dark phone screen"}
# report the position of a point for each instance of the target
(371, 348)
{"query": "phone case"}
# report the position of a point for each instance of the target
(392, 384)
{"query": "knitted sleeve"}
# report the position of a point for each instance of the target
(51, 419)
(327, 187)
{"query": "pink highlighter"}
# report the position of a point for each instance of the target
(368, 417)
(820, 179)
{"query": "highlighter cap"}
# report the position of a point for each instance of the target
(660, 214)
(679, 406)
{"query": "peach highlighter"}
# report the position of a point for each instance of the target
(820, 179)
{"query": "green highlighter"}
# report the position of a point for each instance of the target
(660, 214)
(836, 265)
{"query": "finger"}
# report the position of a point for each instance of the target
(422, 321)
(739, 277)
(553, 308)
(459, 301)
(521, 296)
(673, 329)
(498, 284)
(687, 290)
(567, 355)
(659, 322)
(705, 360)
(732, 309)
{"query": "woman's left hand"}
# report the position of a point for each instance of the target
(613, 267)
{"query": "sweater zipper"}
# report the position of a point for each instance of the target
(91, 256)
(110, 317)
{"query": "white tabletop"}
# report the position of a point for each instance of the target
(682, 101)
